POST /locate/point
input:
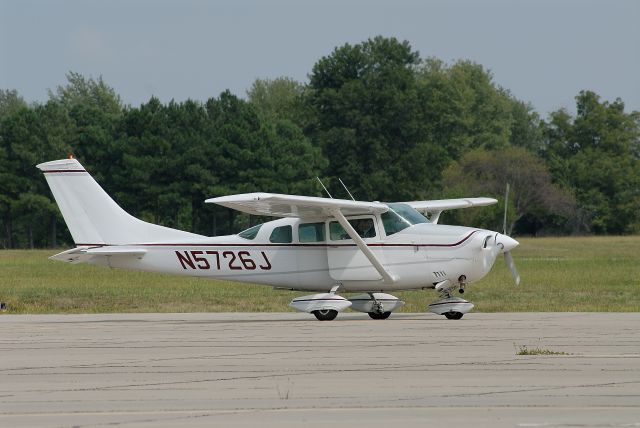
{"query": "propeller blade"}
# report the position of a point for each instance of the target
(512, 267)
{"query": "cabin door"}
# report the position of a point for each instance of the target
(346, 261)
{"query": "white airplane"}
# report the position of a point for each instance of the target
(328, 246)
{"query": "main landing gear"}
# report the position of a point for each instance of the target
(377, 305)
(325, 314)
(379, 316)
(325, 306)
(377, 310)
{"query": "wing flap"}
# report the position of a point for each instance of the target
(277, 205)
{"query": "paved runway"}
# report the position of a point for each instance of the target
(286, 370)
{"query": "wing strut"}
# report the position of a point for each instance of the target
(386, 276)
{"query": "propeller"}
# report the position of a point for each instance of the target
(508, 242)
(512, 267)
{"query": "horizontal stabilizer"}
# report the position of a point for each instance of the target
(80, 254)
(111, 251)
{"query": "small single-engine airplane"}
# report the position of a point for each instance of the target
(319, 244)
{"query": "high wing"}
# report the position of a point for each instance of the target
(277, 205)
(434, 208)
(274, 204)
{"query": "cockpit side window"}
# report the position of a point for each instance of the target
(281, 235)
(393, 223)
(250, 233)
(399, 217)
(336, 232)
(363, 227)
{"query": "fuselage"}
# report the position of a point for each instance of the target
(318, 244)
(316, 255)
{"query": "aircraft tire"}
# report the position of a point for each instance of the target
(325, 315)
(377, 316)
(453, 315)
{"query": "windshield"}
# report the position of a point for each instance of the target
(251, 232)
(399, 217)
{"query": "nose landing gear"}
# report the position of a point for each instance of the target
(451, 307)
(462, 282)
(453, 315)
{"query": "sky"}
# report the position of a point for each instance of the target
(543, 51)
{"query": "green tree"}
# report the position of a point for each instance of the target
(532, 193)
(254, 153)
(95, 110)
(80, 90)
(597, 154)
(462, 107)
(526, 126)
(35, 212)
(150, 174)
(280, 99)
(30, 136)
(367, 121)
(172, 157)
(10, 101)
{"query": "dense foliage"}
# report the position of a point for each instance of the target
(392, 125)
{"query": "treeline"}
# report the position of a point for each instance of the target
(392, 125)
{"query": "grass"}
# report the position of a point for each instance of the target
(524, 350)
(568, 274)
(558, 274)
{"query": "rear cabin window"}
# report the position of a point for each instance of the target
(311, 232)
(363, 226)
(251, 232)
(281, 235)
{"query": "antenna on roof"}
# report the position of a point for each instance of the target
(506, 202)
(345, 188)
(325, 189)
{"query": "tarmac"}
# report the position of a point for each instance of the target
(289, 370)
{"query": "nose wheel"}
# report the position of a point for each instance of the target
(451, 307)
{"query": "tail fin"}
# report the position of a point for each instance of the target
(92, 216)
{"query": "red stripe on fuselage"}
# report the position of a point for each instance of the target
(284, 245)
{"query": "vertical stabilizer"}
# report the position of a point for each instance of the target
(93, 218)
